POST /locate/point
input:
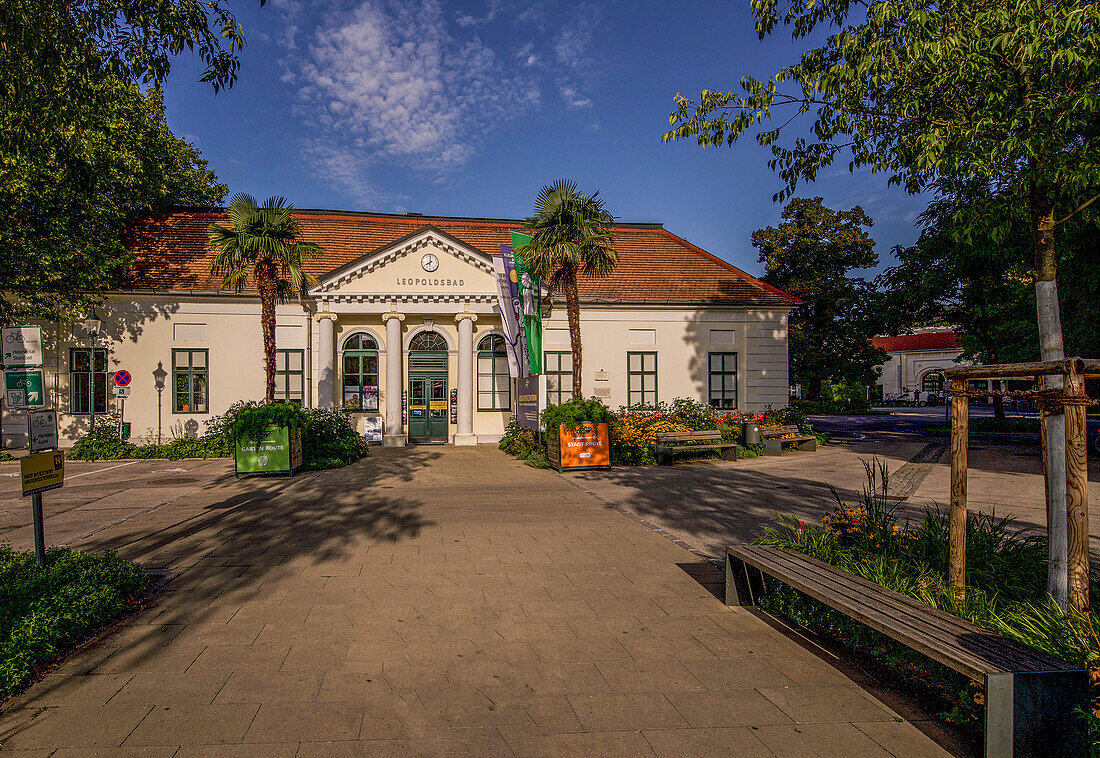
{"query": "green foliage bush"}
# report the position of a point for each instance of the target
(43, 611)
(329, 439)
(523, 444)
(1006, 592)
(574, 412)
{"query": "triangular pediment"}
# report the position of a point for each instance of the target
(426, 261)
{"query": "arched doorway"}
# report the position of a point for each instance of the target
(428, 388)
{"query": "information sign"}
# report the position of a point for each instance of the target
(372, 428)
(122, 392)
(43, 430)
(279, 451)
(527, 402)
(22, 346)
(122, 378)
(23, 389)
(586, 447)
(41, 472)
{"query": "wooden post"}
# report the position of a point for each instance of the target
(1052, 426)
(960, 431)
(1077, 497)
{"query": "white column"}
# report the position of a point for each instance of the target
(395, 431)
(326, 359)
(465, 434)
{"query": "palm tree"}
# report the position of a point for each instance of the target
(264, 244)
(572, 238)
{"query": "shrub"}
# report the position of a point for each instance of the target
(102, 442)
(574, 412)
(329, 439)
(1006, 592)
(44, 610)
(251, 421)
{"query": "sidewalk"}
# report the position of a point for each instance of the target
(431, 601)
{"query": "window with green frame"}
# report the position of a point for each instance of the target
(558, 368)
(641, 378)
(722, 380)
(494, 384)
(360, 362)
(87, 383)
(190, 378)
(290, 376)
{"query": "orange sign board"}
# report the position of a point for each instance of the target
(587, 446)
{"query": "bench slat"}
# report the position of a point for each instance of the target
(940, 635)
(698, 447)
(931, 621)
(772, 431)
(712, 434)
(943, 623)
(924, 638)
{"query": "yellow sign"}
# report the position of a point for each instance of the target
(41, 472)
(439, 405)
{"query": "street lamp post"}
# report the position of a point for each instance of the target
(94, 324)
(159, 375)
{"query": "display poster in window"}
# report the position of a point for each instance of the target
(372, 428)
(370, 398)
(527, 401)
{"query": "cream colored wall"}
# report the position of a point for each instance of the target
(682, 339)
(141, 331)
(914, 365)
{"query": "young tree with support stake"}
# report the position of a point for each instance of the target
(934, 94)
(264, 244)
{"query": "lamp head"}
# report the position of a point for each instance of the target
(159, 375)
(93, 323)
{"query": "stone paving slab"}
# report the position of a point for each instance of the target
(432, 601)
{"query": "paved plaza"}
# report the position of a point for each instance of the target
(431, 601)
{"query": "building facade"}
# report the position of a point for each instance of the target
(916, 362)
(403, 330)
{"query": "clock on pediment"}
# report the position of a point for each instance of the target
(429, 262)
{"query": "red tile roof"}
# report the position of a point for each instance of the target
(925, 341)
(654, 264)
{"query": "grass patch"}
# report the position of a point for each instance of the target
(44, 611)
(1006, 593)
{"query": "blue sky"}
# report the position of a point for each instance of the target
(468, 108)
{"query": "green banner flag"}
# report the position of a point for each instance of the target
(530, 294)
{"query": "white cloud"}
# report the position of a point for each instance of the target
(573, 98)
(385, 81)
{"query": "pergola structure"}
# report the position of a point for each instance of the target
(1069, 399)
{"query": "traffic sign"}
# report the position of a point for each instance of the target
(122, 392)
(122, 378)
(23, 389)
(22, 346)
(43, 430)
(41, 472)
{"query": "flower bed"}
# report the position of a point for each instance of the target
(1006, 592)
(634, 430)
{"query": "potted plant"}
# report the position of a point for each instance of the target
(577, 435)
(268, 439)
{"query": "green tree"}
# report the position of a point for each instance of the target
(572, 239)
(810, 255)
(933, 93)
(84, 147)
(264, 245)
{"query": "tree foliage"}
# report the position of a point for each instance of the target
(572, 238)
(810, 255)
(263, 244)
(84, 146)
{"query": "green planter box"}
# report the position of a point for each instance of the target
(278, 452)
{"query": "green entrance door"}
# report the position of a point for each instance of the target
(428, 411)
(428, 408)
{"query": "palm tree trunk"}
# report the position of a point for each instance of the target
(266, 284)
(573, 311)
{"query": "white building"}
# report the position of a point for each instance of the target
(916, 363)
(405, 315)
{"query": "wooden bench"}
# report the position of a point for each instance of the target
(773, 439)
(673, 442)
(1030, 696)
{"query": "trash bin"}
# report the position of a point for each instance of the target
(125, 430)
(750, 433)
